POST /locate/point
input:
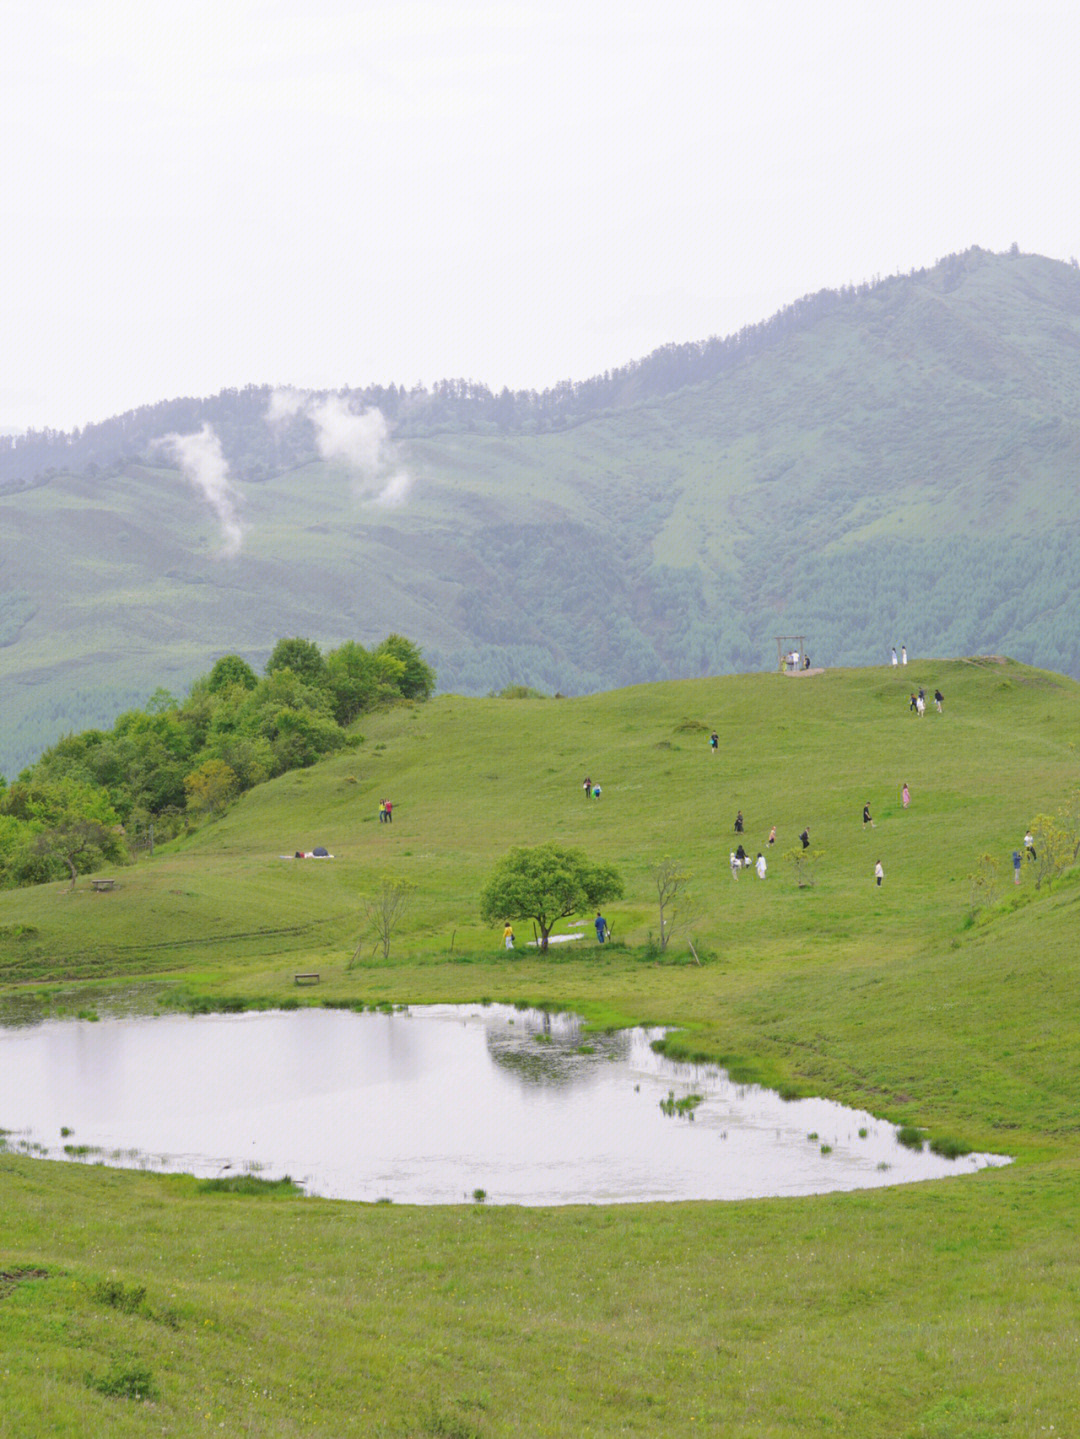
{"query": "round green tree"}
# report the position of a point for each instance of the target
(546, 883)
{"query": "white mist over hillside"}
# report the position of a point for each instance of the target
(361, 442)
(202, 462)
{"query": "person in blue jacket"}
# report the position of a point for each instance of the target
(601, 928)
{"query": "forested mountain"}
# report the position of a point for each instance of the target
(890, 463)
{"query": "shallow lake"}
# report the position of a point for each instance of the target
(429, 1106)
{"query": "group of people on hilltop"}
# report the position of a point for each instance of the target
(903, 652)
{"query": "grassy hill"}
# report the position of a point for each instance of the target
(939, 1309)
(894, 464)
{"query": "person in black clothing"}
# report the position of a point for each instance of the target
(740, 854)
(805, 837)
(739, 823)
(939, 700)
(866, 817)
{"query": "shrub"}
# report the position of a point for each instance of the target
(125, 1381)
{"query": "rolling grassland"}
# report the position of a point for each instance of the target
(944, 1309)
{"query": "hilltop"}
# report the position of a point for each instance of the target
(891, 463)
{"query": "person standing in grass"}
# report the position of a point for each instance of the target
(389, 812)
(1017, 862)
(508, 935)
(739, 823)
(1029, 844)
(734, 862)
(903, 654)
(772, 835)
(894, 659)
(714, 741)
(588, 787)
(761, 866)
(905, 795)
(601, 927)
(805, 837)
(939, 700)
(382, 811)
(879, 873)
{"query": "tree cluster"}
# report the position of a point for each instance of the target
(173, 760)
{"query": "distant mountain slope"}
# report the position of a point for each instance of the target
(896, 463)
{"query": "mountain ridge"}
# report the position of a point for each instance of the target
(893, 463)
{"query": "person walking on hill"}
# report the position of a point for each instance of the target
(772, 835)
(1029, 844)
(714, 742)
(733, 861)
(879, 873)
(905, 795)
(866, 817)
(382, 811)
(596, 791)
(508, 935)
(805, 837)
(939, 700)
(587, 786)
(894, 659)
(740, 856)
(920, 705)
(389, 812)
(739, 823)
(1017, 861)
(761, 866)
(903, 654)
(601, 927)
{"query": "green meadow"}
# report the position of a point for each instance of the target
(133, 1303)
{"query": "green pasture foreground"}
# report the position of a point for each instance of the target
(941, 1309)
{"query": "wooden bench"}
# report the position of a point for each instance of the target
(305, 979)
(102, 885)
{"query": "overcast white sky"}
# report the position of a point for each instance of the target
(203, 193)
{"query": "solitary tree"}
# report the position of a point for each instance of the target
(545, 884)
(677, 910)
(383, 912)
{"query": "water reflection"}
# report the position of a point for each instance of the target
(429, 1106)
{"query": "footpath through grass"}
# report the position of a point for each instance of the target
(946, 1309)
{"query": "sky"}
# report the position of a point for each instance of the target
(321, 193)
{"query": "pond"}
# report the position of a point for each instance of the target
(430, 1106)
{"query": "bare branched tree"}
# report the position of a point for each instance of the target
(382, 913)
(677, 907)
